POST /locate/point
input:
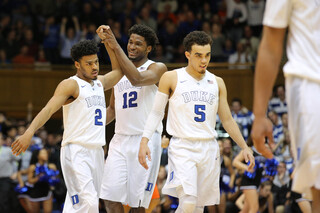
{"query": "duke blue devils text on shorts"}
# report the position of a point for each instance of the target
(198, 96)
(95, 100)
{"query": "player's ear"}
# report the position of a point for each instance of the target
(149, 48)
(77, 64)
(187, 54)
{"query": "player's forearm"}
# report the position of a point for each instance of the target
(233, 130)
(127, 67)
(267, 68)
(110, 115)
(113, 59)
(43, 116)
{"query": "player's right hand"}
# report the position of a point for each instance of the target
(144, 153)
(21, 144)
(262, 128)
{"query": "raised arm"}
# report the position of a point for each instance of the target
(66, 89)
(267, 67)
(111, 113)
(148, 77)
(229, 123)
(113, 77)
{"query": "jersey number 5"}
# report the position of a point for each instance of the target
(97, 118)
(129, 99)
(199, 110)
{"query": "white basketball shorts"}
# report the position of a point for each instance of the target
(82, 169)
(194, 165)
(304, 126)
(124, 179)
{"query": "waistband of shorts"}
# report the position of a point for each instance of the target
(88, 146)
(195, 139)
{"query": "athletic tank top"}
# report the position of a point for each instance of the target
(84, 119)
(133, 105)
(193, 107)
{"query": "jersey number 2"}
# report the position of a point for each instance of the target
(199, 110)
(97, 118)
(129, 99)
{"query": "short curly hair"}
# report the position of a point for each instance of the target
(196, 37)
(146, 32)
(83, 48)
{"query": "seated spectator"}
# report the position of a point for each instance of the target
(218, 40)
(242, 116)
(146, 19)
(160, 55)
(280, 187)
(166, 13)
(277, 131)
(23, 57)
(250, 42)
(278, 103)
(205, 12)
(240, 56)
(10, 46)
(88, 32)
(29, 41)
(228, 49)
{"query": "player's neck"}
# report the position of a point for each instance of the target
(90, 81)
(196, 75)
(140, 62)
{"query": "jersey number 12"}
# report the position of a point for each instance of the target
(129, 100)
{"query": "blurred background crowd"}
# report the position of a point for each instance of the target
(42, 31)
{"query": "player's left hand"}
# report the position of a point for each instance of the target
(144, 153)
(248, 156)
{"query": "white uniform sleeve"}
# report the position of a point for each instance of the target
(277, 13)
(156, 114)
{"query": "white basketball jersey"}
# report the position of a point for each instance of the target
(303, 46)
(133, 105)
(84, 119)
(193, 107)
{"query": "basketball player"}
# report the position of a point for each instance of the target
(84, 118)
(125, 181)
(302, 75)
(195, 97)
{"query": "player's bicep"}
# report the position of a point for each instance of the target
(166, 82)
(272, 40)
(152, 75)
(223, 108)
(65, 90)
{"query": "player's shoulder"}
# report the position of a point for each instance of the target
(158, 66)
(219, 79)
(170, 74)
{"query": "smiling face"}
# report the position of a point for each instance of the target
(88, 67)
(199, 58)
(137, 48)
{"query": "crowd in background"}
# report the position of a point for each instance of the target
(37, 32)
